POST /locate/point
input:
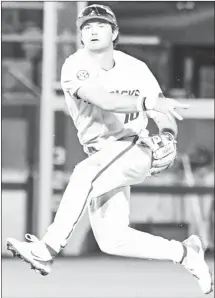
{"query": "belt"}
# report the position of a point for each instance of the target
(91, 150)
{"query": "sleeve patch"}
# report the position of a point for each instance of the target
(82, 75)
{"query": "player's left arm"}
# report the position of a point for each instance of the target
(163, 146)
(165, 122)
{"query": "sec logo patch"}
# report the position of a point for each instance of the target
(82, 75)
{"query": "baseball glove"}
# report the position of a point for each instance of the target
(164, 151)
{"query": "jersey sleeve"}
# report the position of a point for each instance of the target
(75, 74)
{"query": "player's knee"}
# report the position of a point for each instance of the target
(107, 246)
(109, 242)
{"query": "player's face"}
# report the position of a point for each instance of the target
(97, 36)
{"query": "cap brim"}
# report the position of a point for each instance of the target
(83, 20)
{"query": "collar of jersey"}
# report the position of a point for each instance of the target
(114, 63)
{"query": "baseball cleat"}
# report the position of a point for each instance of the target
(35, 253)
(194, 262)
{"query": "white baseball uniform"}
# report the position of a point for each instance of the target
(102, 180)
(129, 76)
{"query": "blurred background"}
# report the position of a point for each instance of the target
(40, 147)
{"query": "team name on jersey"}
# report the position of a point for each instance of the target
(131, 92)
(134, 92)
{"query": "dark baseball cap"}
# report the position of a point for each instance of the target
(98, 12)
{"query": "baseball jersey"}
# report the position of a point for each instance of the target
(129, 76)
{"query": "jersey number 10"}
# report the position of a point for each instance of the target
(130, 117)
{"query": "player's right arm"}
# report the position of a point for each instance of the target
(89, 89)
(82, 82)
(96, 94)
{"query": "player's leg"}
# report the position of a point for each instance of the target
(119, 164)
(126, 164)
(109, 218)
(73, 204)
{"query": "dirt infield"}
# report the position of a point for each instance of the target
(100, 276)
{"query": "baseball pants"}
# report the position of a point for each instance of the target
(102, 182)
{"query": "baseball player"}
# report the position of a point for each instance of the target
(110, 96)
